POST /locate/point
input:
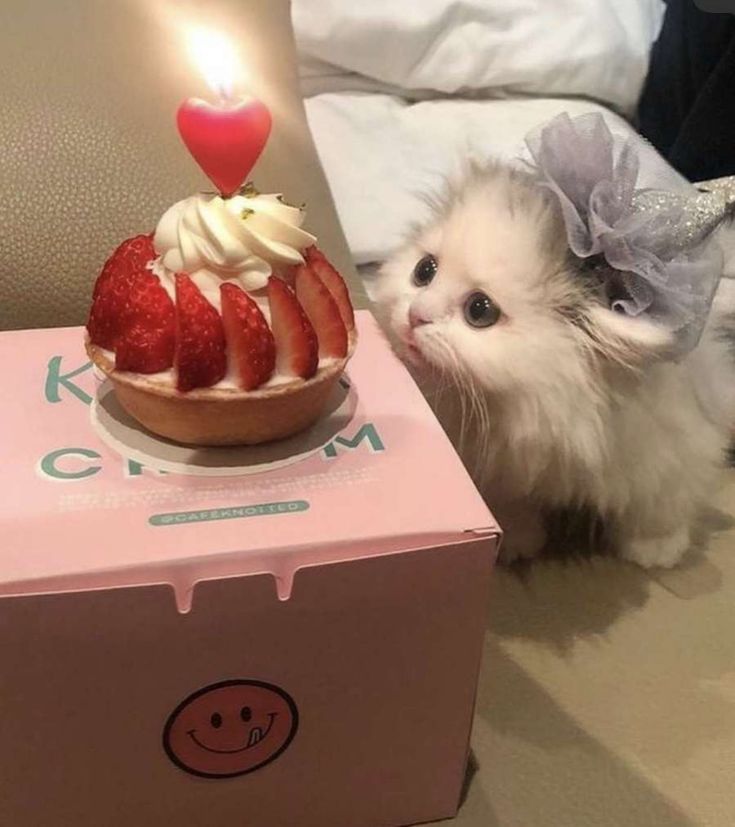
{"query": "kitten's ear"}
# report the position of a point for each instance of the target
(627, 340)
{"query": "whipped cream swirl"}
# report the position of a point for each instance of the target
(237, 239)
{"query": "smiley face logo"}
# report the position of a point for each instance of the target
(230, 728)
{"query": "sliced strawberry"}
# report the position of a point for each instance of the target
(249, 339)
(297, 347)
(147, 335)
(129, 257)
(200, 358)
(323, 312)
(112, 288)
(332, 280)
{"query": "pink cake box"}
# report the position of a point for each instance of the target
(295, 647)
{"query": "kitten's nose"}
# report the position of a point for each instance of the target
(416, 318)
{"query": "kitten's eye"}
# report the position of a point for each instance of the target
(480, 310)
(424, 271)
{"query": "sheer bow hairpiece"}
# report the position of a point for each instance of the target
(642, 228)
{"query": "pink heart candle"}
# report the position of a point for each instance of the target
(226, 139)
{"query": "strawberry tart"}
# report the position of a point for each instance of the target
(226, 325)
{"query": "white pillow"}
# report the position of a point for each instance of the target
(593, 48)
(382, 156)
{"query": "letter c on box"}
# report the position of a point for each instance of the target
(49, 468)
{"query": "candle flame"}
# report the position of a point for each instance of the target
(216, 59)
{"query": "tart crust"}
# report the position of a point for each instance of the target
(222, 416)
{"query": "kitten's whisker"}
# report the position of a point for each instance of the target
(474, 415)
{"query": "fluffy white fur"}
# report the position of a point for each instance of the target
(562, 404)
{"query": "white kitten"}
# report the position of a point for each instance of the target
(553, 400)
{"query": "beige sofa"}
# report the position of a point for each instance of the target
(607, 696)
(89, 152)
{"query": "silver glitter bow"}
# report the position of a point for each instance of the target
(648, 231)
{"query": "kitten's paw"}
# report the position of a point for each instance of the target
(521, 542)
(665, 551)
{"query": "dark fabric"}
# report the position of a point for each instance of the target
(687, 109)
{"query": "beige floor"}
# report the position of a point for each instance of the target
(608, 693)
